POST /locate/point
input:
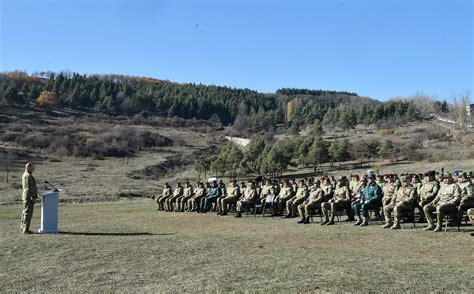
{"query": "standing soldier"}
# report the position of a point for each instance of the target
(233, 194)
(285, 194)
(371, 199)
(316, 196)
(341, 199)
(183, 200)
(389, 190)
(248, 199)
(404, 199)
(300, 197)
(446, 201)
(160, 201)
(467, 197)
(178, 192)
(428, 191)
(198, 195)
(29, 197)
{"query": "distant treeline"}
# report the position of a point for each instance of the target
(246, 109)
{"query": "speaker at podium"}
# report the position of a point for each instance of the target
(49, 211)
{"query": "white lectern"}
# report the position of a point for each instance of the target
(49, 212)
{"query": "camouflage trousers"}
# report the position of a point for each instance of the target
(465, 204)
(441, 210)
(27, 214)
(396, 209)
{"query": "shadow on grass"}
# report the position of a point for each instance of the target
(113, 234)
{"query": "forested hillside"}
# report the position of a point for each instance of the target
(246, 109)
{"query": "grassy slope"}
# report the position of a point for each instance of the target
(192, 252)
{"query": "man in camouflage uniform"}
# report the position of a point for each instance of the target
(341, 199)
(428, 191)
(178, 192)
(199, 193)
(327, 187)
(233, 195)
(267, 189)
(29, 197)
(300, 197)
(354, 184)
(416, 183)
(467, 197)
(389, 189)
(247, 199)
(285, 194)
(404, 199)
(446, 201)
(187, 194)
(167, 192)
(316, 196)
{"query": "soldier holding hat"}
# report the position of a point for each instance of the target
(233, 195)
(341, 199)
(404, 199)
(247, 199)
(316, 196)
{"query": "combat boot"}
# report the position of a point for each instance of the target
(387, 225)
(437, 229)
(306, 221)
(302, 220)
(395, 226)
(358, 221)
(238, 214)
(429, 227)
(365, 222)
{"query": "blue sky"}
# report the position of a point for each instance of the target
(378, 49)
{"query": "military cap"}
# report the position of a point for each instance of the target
(404, 178)
(429, 173)
(447, 176)
(341, 178)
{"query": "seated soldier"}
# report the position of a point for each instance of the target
(233, 194)
(286, 192)
(214, 193)
(327, 187)
(389, 189)
(428, 191)
(160, 200)
(247, 200)
(404, 199)
(446, 201)
(300, 197)
(178, 192)
(267, 189)
(199, 193)
(316, 196)
(341, 199)
(187, 194)
(467, 197)
(371, 199)
(470, 215)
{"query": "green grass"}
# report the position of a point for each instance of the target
(128, 246)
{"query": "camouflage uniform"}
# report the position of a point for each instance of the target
(266, 190)
(183, 200)
(446, 201)
(341, 199)
(233, 194)
(300, 197)
(194, 201)
(248, 199)
(316, 196)
(327, 188)
(160, 201)
(404, 199)
(178, 192)
(467, 197)
(388, 191)
(280, 201)
(29, 196)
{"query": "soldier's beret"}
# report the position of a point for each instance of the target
(341, 178)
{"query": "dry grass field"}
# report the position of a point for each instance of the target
(127, 246)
